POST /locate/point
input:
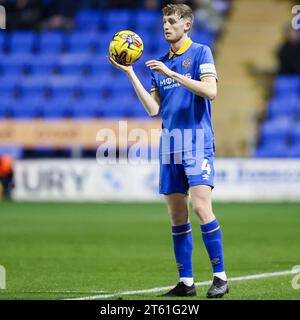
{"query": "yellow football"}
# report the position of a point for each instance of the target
(126, 47)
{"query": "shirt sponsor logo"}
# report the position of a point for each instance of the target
(169, 83)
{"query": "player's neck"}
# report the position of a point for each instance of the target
(177, 45)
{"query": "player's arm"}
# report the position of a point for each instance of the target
(155, 96)
(151, 101)
(206, 87)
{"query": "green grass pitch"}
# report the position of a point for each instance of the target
(69, 250)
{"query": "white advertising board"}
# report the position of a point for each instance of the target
(86, 180)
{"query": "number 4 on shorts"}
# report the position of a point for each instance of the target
(206, 166)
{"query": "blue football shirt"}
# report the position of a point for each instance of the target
(180, 108)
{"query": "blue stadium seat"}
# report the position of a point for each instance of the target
(294, 150)
(203, 37)
(23, 111)
(58, 81)
(43, 70)
(81, 41)
(61, 96)
(98, 65)
(136, 110)
(5, 106)
(295, 133)
(120, 84)
(286, 85)
(283, 106)
(35, 84)
(7, 98)
(91, 91)
(272, 151)
(3, 114)
(117, 19)
(105, 91)
(104, 41)
(9, 83)
(145, 79)
(29, 96)
(93, 85)
(6, 95)
(22, 41)
(54, 109)
(115, 107)
(61, 99)
(96, 94)
(160, 47)
(140, 64)
(280, 134)
(73, 64)
(64, 85)
(3, 40)
(148, 20)
(141, 68)
(71, 69)
(16, 152)
(81, 59)
(18, 59)
(86, 108)
(44, 64)
(276, 130)
(62, 90)
(12, 70)
(279, 150)
(52, 42)
(88, 19)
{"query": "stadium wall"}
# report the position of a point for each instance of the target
(86, 180)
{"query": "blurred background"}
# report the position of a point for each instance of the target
(57, 89)
(63, 231)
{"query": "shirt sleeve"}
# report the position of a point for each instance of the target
(206, 64)
(154, 86)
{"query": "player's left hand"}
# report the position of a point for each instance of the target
(159, 67)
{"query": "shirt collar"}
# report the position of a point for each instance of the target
(182, 49)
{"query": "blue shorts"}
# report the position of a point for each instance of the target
(191, 171)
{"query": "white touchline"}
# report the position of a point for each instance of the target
(203, 283)
(52, 291)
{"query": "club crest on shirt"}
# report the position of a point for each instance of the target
(187, 63)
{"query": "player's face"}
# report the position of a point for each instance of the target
(174, 27)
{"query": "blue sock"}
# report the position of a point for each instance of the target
(212, 238)
(183, 248)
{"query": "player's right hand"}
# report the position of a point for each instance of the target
(119, 66)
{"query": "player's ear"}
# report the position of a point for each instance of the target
(187, 25)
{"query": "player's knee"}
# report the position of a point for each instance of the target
(178, 219)
(204, 213)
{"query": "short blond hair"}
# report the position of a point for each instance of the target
(181, 10)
